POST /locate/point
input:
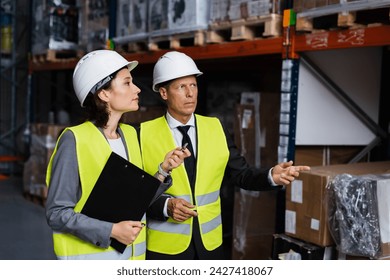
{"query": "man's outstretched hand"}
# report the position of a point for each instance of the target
(284, 173)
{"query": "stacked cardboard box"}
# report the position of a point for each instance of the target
(256, 214)
(43, 140)
(143, 114)
(307, 210)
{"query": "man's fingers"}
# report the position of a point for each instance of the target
(304, 168)
(181, 216)
(187, 204)
(286, 164)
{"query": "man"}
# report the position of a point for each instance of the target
(185, 223)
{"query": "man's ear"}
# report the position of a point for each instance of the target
(104, 95)
(163, 93)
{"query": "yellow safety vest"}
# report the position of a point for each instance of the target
(92, 156)
(172, 237)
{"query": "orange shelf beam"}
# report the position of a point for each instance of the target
(212, 51)
(348, 38)
(218, 51)
(51, 66)
(327, 40)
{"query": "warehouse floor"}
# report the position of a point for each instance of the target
(24, 233)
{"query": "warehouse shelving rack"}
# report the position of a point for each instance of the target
(12, 80)
(374, 36)
(291, 46)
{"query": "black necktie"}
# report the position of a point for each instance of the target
(189, 162)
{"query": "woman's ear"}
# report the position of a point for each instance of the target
(104, 95)
(163, 93)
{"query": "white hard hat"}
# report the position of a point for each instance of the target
(95, 66)
(173, 65)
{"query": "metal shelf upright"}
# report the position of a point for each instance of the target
(13, 60)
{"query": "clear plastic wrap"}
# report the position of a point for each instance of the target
(168, 17)
(354, 217)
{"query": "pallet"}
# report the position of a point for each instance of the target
(219, 32)
(177, 41)
(343, 20)
(246, 29)
(57, 56)
(132, 47)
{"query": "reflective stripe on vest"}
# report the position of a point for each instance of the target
(171, 237)
(171, 226)
(92, 156)
(211, 225)
(207, 198)
(185, 229)
(140, 249)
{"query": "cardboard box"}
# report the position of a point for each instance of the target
(325, 155)
(321, 3)
(43, 139)
(257, 215)
(298, 6)
(143, 114)
(254, 131)
(306, 216)
(254, 224)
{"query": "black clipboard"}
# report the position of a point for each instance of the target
(122, 192)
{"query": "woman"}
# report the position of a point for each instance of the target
(104, 86)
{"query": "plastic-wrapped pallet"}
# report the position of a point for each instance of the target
(158, 15)
(131, 20)
(302, 5)
(168, 17)
(43, 140)
(94, 24)
(242, 9)
(55, 26)
(219, 11)
(359, 216)
(326, 7)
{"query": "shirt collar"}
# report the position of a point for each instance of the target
(173, 123)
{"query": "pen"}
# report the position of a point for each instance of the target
(184, 146)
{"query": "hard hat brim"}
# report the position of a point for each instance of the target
(156, 87)
(132, 65)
